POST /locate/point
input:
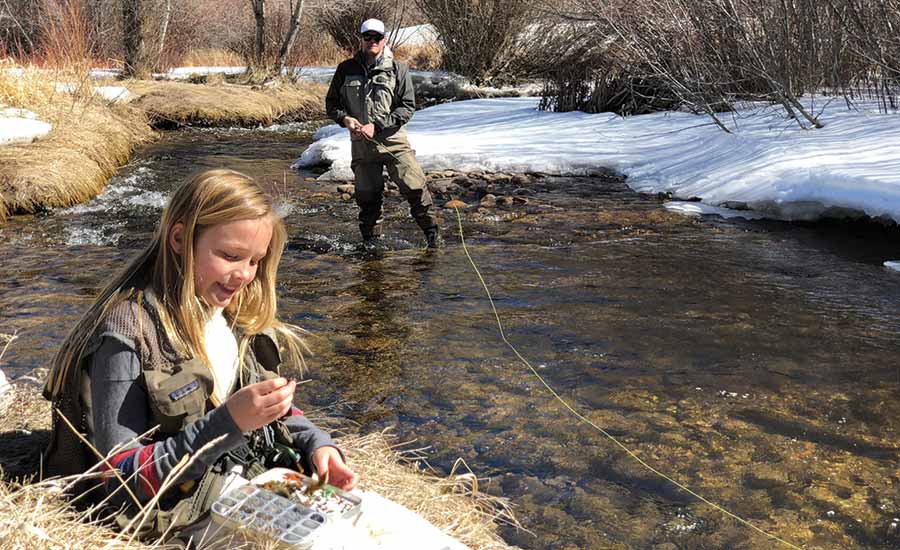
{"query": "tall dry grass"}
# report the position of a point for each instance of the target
(36, 516)
(173, 104)
(90, 140)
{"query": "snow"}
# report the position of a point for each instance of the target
(413, 36)
(180, 73)
(768, 164)
(893, 264)
(5, 386)
(22, 130)
(114, 93)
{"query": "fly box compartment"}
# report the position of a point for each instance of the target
(284, 506)
(326, 499)
(260, 513)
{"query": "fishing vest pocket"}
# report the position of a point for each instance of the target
(353, 96)
(177, 399)
(382, 96)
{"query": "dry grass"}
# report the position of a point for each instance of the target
(90, 140)
(211, 57)
(34, 516)
(172, 104)
(421, 57)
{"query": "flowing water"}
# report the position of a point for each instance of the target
(755, 362)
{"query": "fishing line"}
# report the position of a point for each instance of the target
(569, 407)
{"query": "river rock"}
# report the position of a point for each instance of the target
(442, 187)
(346, 189)
(488, 201)
(309, 179)
(392, 186)
(462, 181)
(346, 196)
(521, 179)
(505, 201)
(523, 191)
(455, 204)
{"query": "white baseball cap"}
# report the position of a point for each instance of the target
(372, 25)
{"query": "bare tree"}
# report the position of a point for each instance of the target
(296, 14)
(163, 31)
(259, 44)
(132, 28)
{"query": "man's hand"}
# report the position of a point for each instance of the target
(368, 130)
(328, 460)
(352, 124)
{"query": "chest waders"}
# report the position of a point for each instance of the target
(370, 98)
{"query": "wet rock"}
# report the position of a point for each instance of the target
(521, 179)
(346, 196)
(455, 204)
(488, 201)
(520, 200)
(449, 173)
(505, 201)
(309, 179)
(442, 187)
(491, 188)
(523, 191)
(479, 187)
(346, 189)
(392, 186)
(462, 181)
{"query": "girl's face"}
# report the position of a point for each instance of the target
(226, 257)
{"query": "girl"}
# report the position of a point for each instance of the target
(185, 340)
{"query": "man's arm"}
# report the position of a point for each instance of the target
(404, 104)
(334, 106)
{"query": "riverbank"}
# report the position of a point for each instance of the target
(92, 136)
(36, 517)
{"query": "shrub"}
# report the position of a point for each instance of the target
(478, 36)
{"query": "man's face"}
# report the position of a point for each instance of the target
(372, 43)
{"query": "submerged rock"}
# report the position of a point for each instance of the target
(455, 204)
(489, 201)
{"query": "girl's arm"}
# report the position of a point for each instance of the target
(121, 412)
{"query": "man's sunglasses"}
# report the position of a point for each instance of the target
(372, 37)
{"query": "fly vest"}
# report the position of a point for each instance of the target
(370, 98)
(179, 390)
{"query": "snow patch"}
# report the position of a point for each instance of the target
(893, 264)
(851, 167)
(22, 130)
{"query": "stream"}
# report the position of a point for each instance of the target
(755, 362)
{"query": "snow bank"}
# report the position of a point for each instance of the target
(21, 129)
(413, 36)
(768, 164)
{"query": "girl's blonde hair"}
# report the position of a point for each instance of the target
(208, 199)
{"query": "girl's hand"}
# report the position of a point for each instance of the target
(328, 459)
(256, 405)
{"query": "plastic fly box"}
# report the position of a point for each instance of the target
(285, 506)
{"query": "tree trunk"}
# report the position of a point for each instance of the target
(259, 47)
(289, 39)
(132, 19)
(163, 30)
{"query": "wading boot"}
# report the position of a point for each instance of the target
(433, 237)
(371, 237)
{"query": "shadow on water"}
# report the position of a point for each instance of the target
(753, 361)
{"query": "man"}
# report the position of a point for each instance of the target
(372, 95)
